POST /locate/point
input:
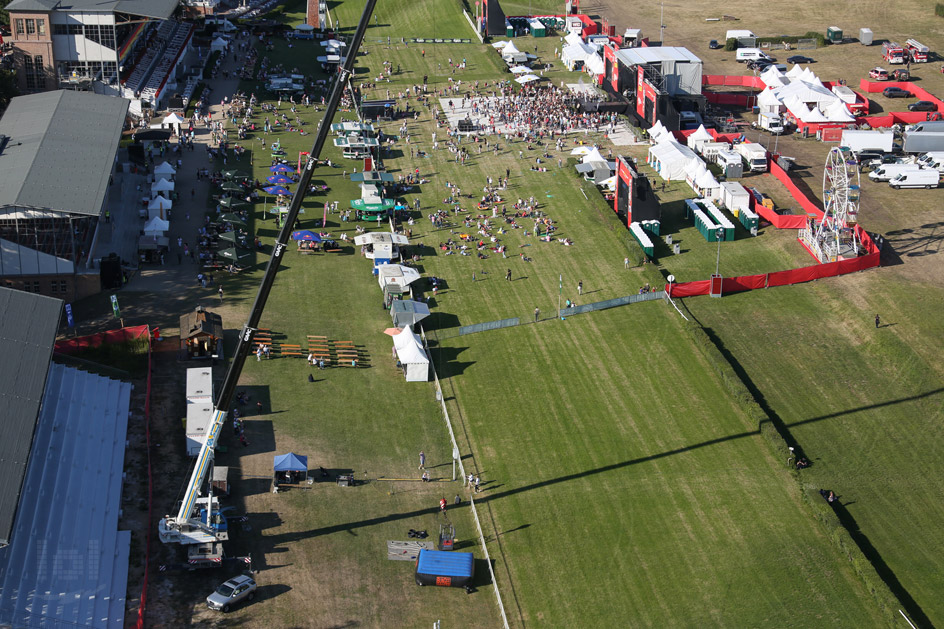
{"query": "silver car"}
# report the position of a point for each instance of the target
(233, 591)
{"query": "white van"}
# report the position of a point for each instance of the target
(751, 54)
(886, 172)
(924, 178)
(932, 160)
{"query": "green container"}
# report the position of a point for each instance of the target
(834, 35)
(509, 29)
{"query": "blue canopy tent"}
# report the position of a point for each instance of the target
(304, 234)
(281, 168)
(290, 469)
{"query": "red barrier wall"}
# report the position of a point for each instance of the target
(805, 203)
(71, 346)
(920, 93)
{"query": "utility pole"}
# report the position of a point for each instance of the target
(662, 24)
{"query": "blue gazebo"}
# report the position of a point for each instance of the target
(290, 469)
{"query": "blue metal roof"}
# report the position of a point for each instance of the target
(445, 563)
(68, 563)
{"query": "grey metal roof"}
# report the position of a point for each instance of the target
(159, 9)
(61, 150)
(68, 563)
(28, 326)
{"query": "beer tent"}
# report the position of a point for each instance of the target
(411, 355)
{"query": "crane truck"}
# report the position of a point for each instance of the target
(200, 524)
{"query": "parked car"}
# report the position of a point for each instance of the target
(759, 64)
(901, 75)
(799, 59)
(714, 45)
(879, 74)
(922, 105)
(896, 92)
(231, 592)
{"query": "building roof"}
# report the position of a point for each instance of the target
(655, 54)
(200, 322)
(68, 563)
(28, 325)
(21, 260)
(158, 9)
(60, 151)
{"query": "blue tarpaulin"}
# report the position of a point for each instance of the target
(291, 462)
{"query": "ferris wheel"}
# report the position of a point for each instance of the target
(835, 234)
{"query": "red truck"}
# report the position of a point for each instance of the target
(917, 51)
(893, 53)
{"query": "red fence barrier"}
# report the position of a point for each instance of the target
(71, 346)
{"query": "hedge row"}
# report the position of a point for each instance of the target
(939, 9)
(887, 602)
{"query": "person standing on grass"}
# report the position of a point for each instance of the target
(580, 287)
(477, 484)
(508, 275)
(626, 263)
(442, 505)
(537, 313)
(221, 294)
(878, 321)
(422, 460)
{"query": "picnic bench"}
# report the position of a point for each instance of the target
(283, 349)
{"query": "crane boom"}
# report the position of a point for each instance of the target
(184, 528)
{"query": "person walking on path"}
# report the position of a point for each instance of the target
(580, 287)
(537, 313)
(878, 321)
(221, 294)
(422, 460)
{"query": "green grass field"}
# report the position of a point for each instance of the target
(623, 484)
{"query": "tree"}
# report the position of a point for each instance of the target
(4, 16)
(8, 88)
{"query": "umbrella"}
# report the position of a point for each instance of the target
(231, 202)
(281, 168)
(581, 150)
(277, 190)
(230, 186)
(521, 69)
(233, 254)
(500, 44)
(232, 218)
(393, 331)
(304, 234)
(232, 237)
(527, 78)
(233, 174)
(279, 179)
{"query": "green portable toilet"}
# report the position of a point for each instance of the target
(537, 28)
(509, 29)
(834, 35)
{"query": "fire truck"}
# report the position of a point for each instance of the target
(917, 51)
(893, 53)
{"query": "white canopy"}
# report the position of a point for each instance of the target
(670, 159)
(164, 168)
(411, 355)
(160, 203)
(500, 44)
(156, 227)
(509, 49)
(333, 43)
(162, 186)
(520, 70)
(593, 156)
(795, 72)
(609, 183)
(396, 274)
(173, 119)
(527, 78)
(376, 238)
(218, 44)
(305, 28)
(573, 38)
(580, 150)
(700, 136)
(594, 64)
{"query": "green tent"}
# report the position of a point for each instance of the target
(229, 217)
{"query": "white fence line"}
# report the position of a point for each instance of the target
(455, 448)
(472, 24)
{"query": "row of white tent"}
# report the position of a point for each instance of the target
(406, 343)
(675, 161)
(576, 51)
(800, 92)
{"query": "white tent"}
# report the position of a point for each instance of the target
(161, 186)
(609, 183)
(573, 38)
(509, 50)
(795, 72)
(173, 119)
(580, 150)
(218, 45)
(164, 168)
(594, 64)
(698, 138)
(670, 159)
(836, 111)
(768, 102)
(707, 186)
(520, 70)
(411, 355)
(593, 156)
(396, 274)
(527, 78)
(500, 44)
(156, 227)
(158, 207)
